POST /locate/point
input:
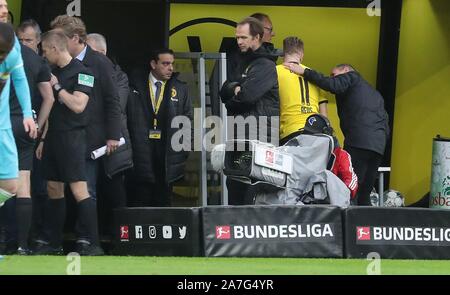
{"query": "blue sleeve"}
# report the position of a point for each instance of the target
(19, 79)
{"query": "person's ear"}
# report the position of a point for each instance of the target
(301, 56)
(153, 64)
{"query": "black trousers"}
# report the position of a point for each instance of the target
(112, 195)
(366, 165)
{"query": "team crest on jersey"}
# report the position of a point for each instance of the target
(86, 80)
(173, 94)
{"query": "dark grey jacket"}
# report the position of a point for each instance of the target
(122, 158)
(103, 106)
(362, 116)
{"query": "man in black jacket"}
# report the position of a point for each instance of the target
(363, 120)
(104, 126)
(234, 54)
(252, 94)
(156, 99)
(111, 183)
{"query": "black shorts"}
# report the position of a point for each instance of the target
(64, 156)
(25, 144)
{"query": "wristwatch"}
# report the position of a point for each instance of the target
(57, 88)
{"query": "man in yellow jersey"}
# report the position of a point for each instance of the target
(299, 98)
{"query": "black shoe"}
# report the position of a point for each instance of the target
(24, 251)
(46, 249)
(85, 249)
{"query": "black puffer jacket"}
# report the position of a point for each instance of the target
(122, 158)
(177, 103)
(259, 90)
(363, 119)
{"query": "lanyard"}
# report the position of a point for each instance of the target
(156, 105)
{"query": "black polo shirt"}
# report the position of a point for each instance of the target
(73, 77)
(37, 71)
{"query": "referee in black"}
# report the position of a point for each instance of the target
(65, 143)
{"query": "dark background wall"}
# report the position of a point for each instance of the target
(132, 28)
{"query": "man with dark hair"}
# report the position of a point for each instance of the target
(252, 94)
(363, 120)
(38, 75)
(233, 53)
(156, 98)
(29, 34)
(104, 125)
(298, 97)
(65, 145)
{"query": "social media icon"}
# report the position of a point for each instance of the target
(152, 232)
(182, 232)
(167, 231)
(138, 231)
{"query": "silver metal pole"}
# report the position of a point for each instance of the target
(202, 92)
(223, 116)
(381, 187)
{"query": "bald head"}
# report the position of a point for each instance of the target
(97, 42)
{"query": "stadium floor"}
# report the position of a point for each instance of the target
(114, 265)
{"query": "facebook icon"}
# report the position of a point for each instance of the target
(138, 231)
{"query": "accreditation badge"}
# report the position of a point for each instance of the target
(173, 94)
(154, 134)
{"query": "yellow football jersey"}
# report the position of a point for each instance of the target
(298, 100)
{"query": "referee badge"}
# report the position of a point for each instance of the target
(86, 80)
(173, 94)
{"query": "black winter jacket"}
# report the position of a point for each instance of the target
(362, 116)
(122, 158)
(177, 103)
(259, 90)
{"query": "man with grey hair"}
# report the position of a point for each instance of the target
(97, 42)
(115, 165)
(29, 34)
(363, 120)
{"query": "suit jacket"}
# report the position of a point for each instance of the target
(177, 103)
(104, 104)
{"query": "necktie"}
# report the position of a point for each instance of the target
(158, 90)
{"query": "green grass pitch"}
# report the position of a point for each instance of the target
(116, 265)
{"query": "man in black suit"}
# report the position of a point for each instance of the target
(104, 125)
(156, 99)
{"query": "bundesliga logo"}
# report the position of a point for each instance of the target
(124, 232)
(269, 157)
(223, 232)
(363, 233)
